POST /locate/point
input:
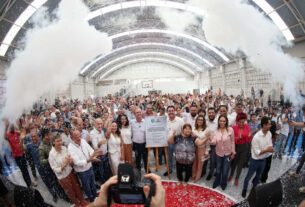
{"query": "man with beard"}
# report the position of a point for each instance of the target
(190, 118)
(173, 123)
(212, 126)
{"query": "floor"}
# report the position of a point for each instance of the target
(230, 195)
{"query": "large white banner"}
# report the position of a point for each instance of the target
(156, 131)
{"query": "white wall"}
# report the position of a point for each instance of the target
(149, 71)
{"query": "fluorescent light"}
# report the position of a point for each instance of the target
(163, 80)
(143, 60)
(288, 35)
(38, 3)
(276, 18)
(15, 28)
(148, 54)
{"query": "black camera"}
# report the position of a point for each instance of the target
(129, 189)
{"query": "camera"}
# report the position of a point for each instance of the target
(129, 189)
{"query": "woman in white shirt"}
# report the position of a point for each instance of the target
(115, 146)
(60, 162)
(125, 128)
(202, 151)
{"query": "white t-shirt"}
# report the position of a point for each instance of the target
(285, 126)
(176, 124)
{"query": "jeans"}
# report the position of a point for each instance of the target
(303, 142)
(294, 139)
(184, 168)
(140, 153)
(266, 169)
(171, 150)
(280, 146)
(21, 162)
(256, 166)
(88, 183)
(302, 160)
(222, 171)
(212, 159)
(103, 168)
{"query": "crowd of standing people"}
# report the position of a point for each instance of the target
(75, 144)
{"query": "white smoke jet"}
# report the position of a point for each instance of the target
(234, 25)
(176, 20)
(52, 57)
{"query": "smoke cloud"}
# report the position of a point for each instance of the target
(52, 57)
(235, 25)
(176, 20)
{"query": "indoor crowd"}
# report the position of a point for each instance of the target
(75, 145)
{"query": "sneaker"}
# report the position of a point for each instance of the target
(280, 157)
(209, 177)
(244, 193)
(294, 174)
(236, 183)
(166, 173)
(230, 178)
(302, 189)
(223, 187)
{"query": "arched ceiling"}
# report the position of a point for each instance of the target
(147, 33)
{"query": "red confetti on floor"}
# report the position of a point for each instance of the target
(191, 196)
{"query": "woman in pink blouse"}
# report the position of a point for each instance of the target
(242, 138)
(225, 151)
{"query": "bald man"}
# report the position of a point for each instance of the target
(99, 142)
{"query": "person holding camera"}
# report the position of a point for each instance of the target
(185, 151)
(280, 144)
(158, 200)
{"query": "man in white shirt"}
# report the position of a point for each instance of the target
(85, 133)
(173, 123)
(99, 142)
(212, 126)
(139, 139)
(82, 155)
(261, 148)
(190, 118)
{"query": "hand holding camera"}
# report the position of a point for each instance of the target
(128, 188)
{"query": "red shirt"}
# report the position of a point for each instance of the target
(244, 136)
(13, 139)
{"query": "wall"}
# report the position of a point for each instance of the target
(149, 71)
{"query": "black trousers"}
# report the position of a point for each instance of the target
(140, 153)
(30, 160)
(184, 168)
(21, 162)
(267, 169)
